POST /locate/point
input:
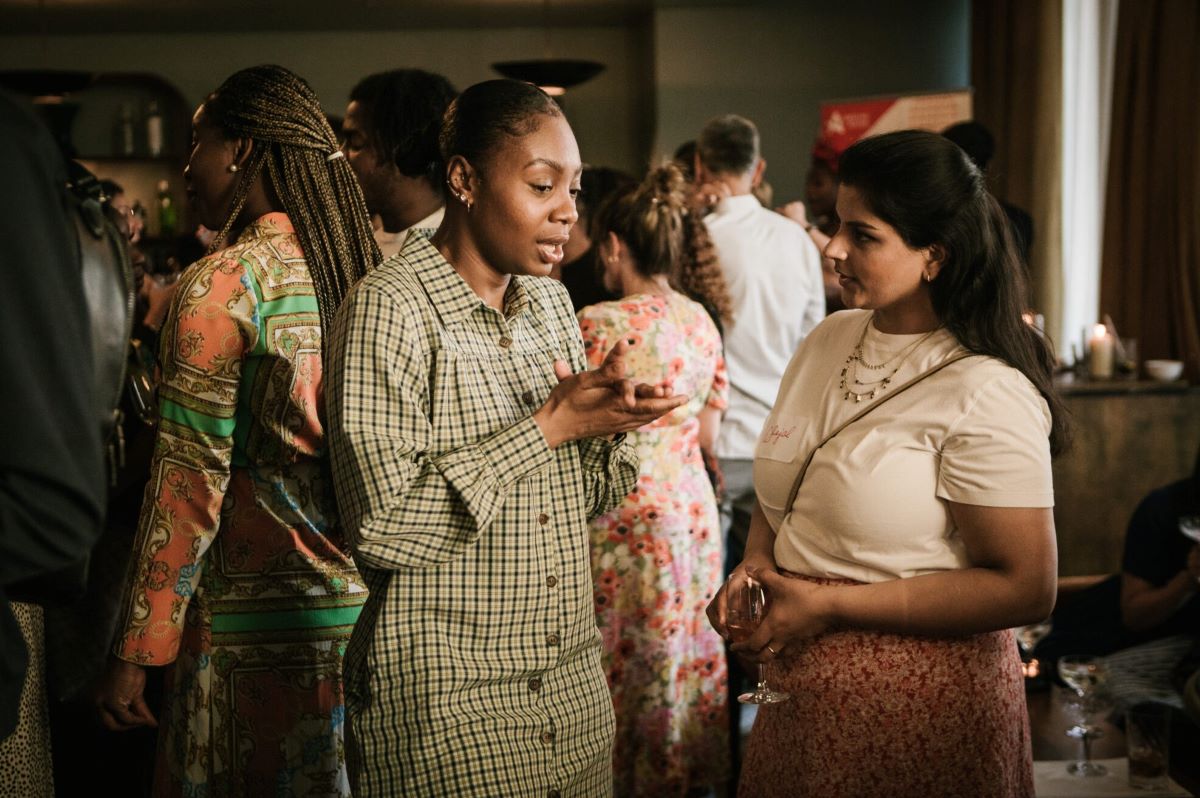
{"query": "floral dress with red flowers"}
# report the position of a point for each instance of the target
(657, 558)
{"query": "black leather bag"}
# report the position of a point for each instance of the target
(108, 290)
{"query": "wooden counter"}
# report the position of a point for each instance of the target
(1130, 438)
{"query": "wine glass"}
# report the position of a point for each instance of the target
(1087, 676)
(745, 608)
(1189, 525)
(1030, 635)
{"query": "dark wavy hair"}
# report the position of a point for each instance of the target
(404, 110)
(926, 187)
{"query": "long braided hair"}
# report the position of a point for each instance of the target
(294, 150)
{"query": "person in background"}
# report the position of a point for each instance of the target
(685, 158)
(1156, 594)
(118, 201)
(468, 457)
(52, 489)
(979, 144)
(820, 189)
(1160, 573)
(240, 577)
(579, 271)
(79, 635)
(153, 292)
(389, 136)
(796, 211)
(899, 547)
(773, 274)
(656, 557)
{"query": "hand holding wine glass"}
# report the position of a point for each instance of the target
(745, 607)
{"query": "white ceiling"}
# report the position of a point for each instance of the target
(125, 16)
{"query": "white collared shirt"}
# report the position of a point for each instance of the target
(391, 243)
(773, 271)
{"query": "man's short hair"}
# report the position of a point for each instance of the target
(403, 110)
(728, 145)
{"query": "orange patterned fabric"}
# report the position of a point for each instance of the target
(240, 574)
(874, 714)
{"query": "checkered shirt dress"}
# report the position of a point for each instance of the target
(475, 666)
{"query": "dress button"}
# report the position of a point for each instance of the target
(535, 684)
(551, 581)
(552, 639)
(548, 738)
(527, 398)
(554, 794)
(505, 342)
(543, 519)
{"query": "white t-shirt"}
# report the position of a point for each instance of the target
(873, 503)
(773, 271)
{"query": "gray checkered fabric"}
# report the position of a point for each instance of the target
(474, 669)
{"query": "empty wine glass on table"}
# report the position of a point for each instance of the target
(1087, 676)
(745, 608)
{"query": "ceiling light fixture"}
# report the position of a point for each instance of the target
(552, 75)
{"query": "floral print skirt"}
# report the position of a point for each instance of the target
(875, 714)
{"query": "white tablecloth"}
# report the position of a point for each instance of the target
(1053, 781)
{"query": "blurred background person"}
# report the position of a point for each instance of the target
(820, 188)
(240, 577)
(580, 270)
(390, 137)
(657, 557)
(51, 461)
(980, 145)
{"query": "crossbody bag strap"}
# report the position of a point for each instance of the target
(927, 373)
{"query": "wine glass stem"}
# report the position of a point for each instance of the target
(1086, 739)
(762, 678)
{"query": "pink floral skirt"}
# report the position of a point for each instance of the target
(874, 714)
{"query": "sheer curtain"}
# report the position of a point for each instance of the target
(1150, 281)
(1088, 49)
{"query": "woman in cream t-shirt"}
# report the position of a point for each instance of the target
(922, 531)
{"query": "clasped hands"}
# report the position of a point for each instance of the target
(602, 402)
(796, 611)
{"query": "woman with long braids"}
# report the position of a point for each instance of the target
(240, 575)
(903, 521)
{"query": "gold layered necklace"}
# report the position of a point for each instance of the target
(852, 378)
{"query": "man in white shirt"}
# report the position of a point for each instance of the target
(773, 271)
(390, 138)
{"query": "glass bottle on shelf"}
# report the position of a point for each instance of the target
(154, 129)
(124, 131)
(168, 216)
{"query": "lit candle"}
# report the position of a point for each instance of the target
(1100, 353)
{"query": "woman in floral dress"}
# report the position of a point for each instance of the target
(656, 558)
(240, 576)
